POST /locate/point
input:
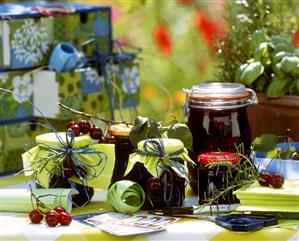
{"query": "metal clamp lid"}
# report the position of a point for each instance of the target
(220, 96)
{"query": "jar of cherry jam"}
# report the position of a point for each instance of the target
(119, 134)
(217, 119)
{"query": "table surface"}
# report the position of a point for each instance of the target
(16, 226)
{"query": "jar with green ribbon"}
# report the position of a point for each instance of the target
(160, 167)
(59, 159)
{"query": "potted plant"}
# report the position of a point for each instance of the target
(258, 52)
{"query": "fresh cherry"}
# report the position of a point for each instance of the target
(95, 133)
(153, 185)
(84, 126)
(70, 124)
(264, 178)
(52, 218)
(35, 216)
(59, 209)
(277, 180)
(76, 129)
(64, 218)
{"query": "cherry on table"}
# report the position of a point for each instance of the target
(64, 218)
(35, 216)
(264, 178)
(84, 126)
(59, 209)
(52, 218)
(277, 180)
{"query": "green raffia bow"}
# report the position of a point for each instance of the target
(155, 157)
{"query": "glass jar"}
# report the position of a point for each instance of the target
(162, 185)
(218, 119)
(216, 177)
(63, 180)
(119, 134)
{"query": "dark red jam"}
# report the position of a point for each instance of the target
(210, 178)
(218, 122)
(119, 135)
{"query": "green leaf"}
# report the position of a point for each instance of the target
(154, 129)
(257, 38)
(139, 131)
(289, 64)
(278, 87)
(181, 132)
(261, 83)
(239, 72)
(252, 72)
(280, 43)
(274, 153)
(297, 84)
(278, 56)
(261, 51)
(292, 88)
(277, 70)
(264, 143)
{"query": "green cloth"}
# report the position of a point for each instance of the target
(151, 163)
(32, 160)
(19, 200)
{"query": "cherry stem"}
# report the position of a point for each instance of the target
(91, 116)
(39, 203)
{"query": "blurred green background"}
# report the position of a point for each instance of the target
(178, 51)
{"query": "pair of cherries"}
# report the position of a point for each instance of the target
(53, 217)
(84, 127)
(275, 180)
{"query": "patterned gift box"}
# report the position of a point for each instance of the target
(15, 106)
(81, 90)
(13, 140)
(10, 155)
(27, 36)
(123, 85)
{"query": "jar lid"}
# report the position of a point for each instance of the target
(170, 144)
(52, 139)
(223, 157)
(120, 130)
(217, 95)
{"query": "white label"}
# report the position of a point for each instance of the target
(45, 94)
(6, 43)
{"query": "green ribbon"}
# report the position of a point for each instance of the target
(126, 196)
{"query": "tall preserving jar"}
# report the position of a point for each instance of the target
(217, 119)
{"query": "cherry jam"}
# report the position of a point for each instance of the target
(219, 178)
(119, 135)
(218, 121)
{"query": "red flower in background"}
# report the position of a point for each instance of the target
(183, 1)
(162, 39)
(295, 39)
(209, 28)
